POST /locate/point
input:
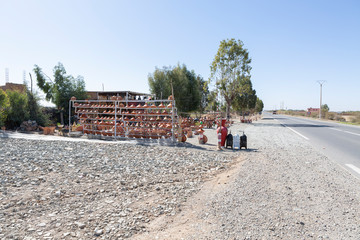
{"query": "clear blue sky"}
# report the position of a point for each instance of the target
(118, 43)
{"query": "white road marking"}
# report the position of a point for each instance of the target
(356, 134)
(352, 133)
(293, 130)
(356, 169)
(296, 132)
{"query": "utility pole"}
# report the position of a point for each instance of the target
(31, 86)
(321, 82)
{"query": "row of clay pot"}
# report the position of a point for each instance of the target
(165, 125)
(121, 105)
(86, 111)
(132, 119)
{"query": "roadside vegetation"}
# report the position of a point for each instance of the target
(347, 117)
(232, 90)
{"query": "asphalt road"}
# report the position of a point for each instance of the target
(339, 142)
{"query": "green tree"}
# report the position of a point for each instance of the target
(61, 89)
(204, 93)
(245, 99)
(259, 105)
(230, 66)
(188, 87)
(18, 111)
(4, 105)
(325, 108)
(213, 104)
(35, 110)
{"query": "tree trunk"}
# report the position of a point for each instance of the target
(228, 111)
(62, 117)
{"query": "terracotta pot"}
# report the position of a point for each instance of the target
(171, 97)
(189, 134)
(73, 98)
(203, 140)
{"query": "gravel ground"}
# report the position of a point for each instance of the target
(281, 189)
(286, 190)
(83, 189)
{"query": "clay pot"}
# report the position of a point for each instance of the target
(189, 134)
(113, 98)
(169, 106)
(171, 97)
(161, 105)
(73, 98)
(203, 140)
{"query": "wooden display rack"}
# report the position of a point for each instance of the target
(147, 119)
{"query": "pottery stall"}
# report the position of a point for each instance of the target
(146, 119)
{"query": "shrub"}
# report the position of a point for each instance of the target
(36, 112)
(18, 111)
(4, 105)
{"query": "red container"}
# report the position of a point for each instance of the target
(223, 121)
(223, 134)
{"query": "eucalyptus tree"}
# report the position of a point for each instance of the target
(61, 89)
(230, 67)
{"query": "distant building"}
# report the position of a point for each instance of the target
(14, 87)
(313, 110)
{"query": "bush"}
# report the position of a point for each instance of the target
(4, 105)
(339, 118)
(36, 112)
(18, 111)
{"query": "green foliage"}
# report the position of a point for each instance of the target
(246, 97)
(230, 67)
(259, 105)
(213, 104)
(62, 88)
(4, 105)
(190, 90)
(325, 108)
(35, 110)
(18, 111)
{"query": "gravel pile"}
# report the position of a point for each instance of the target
(82, 190)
